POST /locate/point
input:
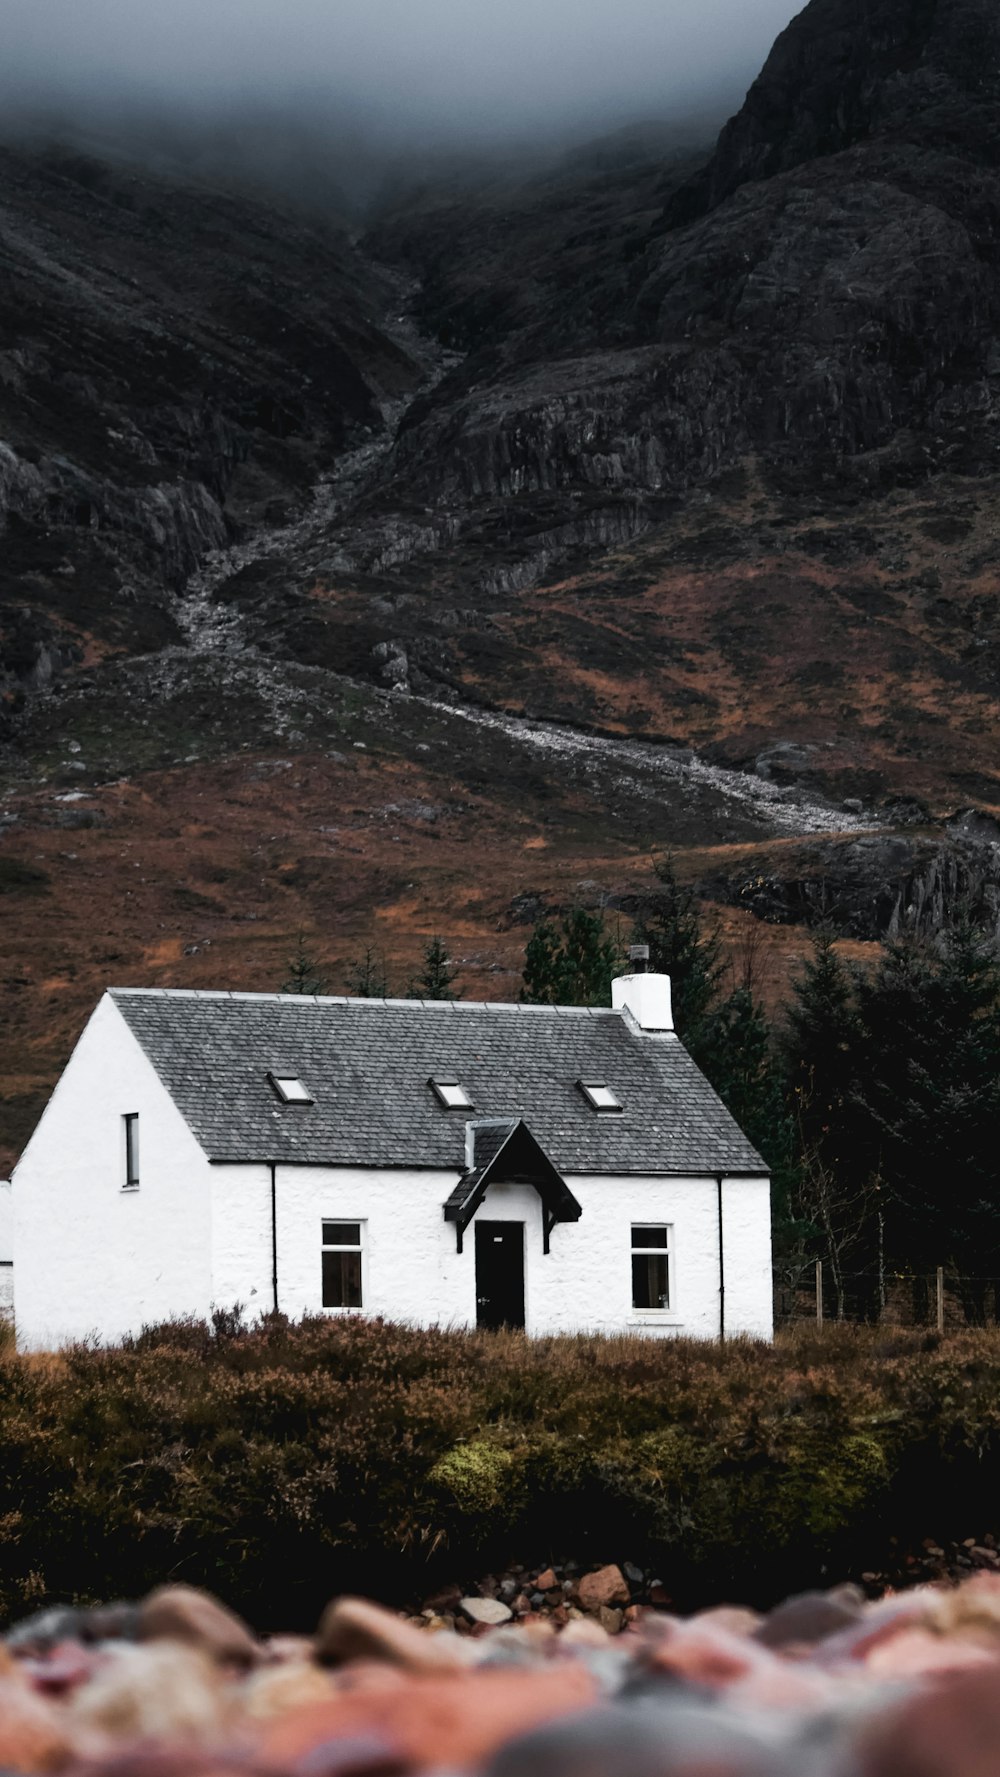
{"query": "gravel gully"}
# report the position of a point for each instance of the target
(219, 630)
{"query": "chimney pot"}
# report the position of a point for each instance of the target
(638, 956)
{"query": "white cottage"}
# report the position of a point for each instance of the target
(550, 1167)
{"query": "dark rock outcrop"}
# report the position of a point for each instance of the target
(172, 360)
(822, 294)
(922, 72)
(881, 886)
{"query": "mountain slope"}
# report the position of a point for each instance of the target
(172, 362)
(421, 583)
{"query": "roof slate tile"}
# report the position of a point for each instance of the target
(367, 1064)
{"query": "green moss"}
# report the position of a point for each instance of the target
(826, 1486)
(481, 1478)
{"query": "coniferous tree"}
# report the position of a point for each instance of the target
(304, 974)
(821, 1052)
(437, 978)
(572, 963)
(738, 1057)
(929, 1096)
(682, 947)
(367, 978)
(832, 1210)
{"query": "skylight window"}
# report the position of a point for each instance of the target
(290, 1090)
(452, 1095)
(599, 1096)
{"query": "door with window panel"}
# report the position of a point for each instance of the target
(343, 1250)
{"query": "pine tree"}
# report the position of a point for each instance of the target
(929, 1096)
(367, 978)
(680, 946)
(570, 964)
(832, 1209)
(739, 1061)
(821, 1053)
(304, 974)
(437, 977)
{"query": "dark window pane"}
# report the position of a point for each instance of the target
(650, 1287)
(341, 1280)
(649, 1237)
(341, 1233)
(132, 1148)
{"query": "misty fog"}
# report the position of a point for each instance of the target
(375, 78)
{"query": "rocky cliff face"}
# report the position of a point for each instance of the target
(925, 73)
(823, 289)
(173, 362)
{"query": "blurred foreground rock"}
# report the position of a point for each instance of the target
(829, 1684)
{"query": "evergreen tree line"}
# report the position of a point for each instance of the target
(874, 1096)
(368, 977)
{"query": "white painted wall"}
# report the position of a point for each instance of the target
(412, 1271)
(93, 1260)
(6, 1221)
(6, 1250)
(746, 1213)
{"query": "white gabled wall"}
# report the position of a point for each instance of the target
(414, 1273)
(6, 1250)
(91, 1259)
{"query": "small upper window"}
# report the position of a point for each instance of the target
(131, 1124)
(452, 1095)
(599, 1096)
(290, 1090)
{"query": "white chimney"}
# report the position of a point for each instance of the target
(646, 996)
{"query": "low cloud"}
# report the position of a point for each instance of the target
(330, 92)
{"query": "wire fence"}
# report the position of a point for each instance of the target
(942, 1299)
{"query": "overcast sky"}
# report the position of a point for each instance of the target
(477, 66)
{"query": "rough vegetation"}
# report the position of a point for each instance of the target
(287, 1462)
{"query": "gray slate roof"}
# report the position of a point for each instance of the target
(367, 1064)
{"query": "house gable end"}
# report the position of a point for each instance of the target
(104, 1023)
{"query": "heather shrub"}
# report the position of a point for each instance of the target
(280, 1463)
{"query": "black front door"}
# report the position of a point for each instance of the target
(499, 1274)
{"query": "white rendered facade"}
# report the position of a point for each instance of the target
(97, 1258)
(6, 1250)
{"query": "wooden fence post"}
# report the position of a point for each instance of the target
(940, 1298)
(819, 1292)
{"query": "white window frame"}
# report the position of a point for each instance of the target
(299, 1093)
(130, 1149)
(442, 1086)
(654, 1316)
(601, 1097)
(336, 1246)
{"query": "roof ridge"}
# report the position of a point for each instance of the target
(345, 999)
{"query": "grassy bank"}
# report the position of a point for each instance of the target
(279, 1465)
